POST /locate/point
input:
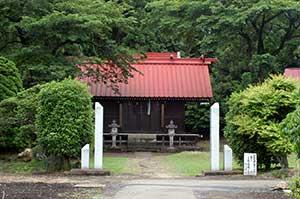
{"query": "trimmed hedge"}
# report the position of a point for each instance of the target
(10, 79)
(64, 118)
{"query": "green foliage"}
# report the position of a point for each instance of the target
(10, 80)
(26, 114)
(47, 39)
(254, 118)
(291, 128)
(17, 120)
(64, 118)
(197, 117)
(8, 123)
(294, 186)
(251, 39)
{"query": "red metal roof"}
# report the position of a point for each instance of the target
(163, 77)
(292, 72)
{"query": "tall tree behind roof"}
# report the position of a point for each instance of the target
(46, 38)
(250, 38)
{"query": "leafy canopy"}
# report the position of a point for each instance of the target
(47, 39)
(251, 38)
(10, 80)
(254, 118)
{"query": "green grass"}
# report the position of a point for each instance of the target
(116, 165)
(192, 163)
(184, 163)
(18, 166)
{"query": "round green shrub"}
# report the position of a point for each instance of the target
(8, 123)
(291, 128)
(64, 119)
(254, 119)
(10, 80)
(17, 120)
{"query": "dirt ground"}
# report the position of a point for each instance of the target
(145, 164)
(40, 190)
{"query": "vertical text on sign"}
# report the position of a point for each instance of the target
(250, 164)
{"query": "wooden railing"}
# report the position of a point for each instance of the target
(157, 139)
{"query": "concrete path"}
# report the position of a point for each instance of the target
(198, 189)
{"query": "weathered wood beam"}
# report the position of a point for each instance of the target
(121, 114)
(162, 115)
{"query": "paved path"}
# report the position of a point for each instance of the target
(198, 189)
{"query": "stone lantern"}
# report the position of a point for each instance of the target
(171, 132)
(114, 132)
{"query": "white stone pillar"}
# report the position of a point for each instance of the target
(227, 158)
(214, 137)
(98, 158)
(85, 157)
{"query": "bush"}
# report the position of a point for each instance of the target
(254, 118)
(291, 127)
(17, 120)
(64, 121)
(10, 80)
(294, 186)
(8, 123)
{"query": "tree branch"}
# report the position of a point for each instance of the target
(273, 17)
(248, 41)
(289, 31)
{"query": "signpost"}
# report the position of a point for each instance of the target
(250, 164)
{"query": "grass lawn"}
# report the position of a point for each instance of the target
(192, 163)
(184, 163)
(116, 165)
(18, 166)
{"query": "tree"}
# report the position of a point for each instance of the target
(254, 119)
(251, 39)
(10, 81)
(47, 39)
(64, 121)
(197, 118)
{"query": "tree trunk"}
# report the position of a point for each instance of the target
(284, 164)
(267, 165)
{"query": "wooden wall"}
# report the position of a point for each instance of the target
(133, 118)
